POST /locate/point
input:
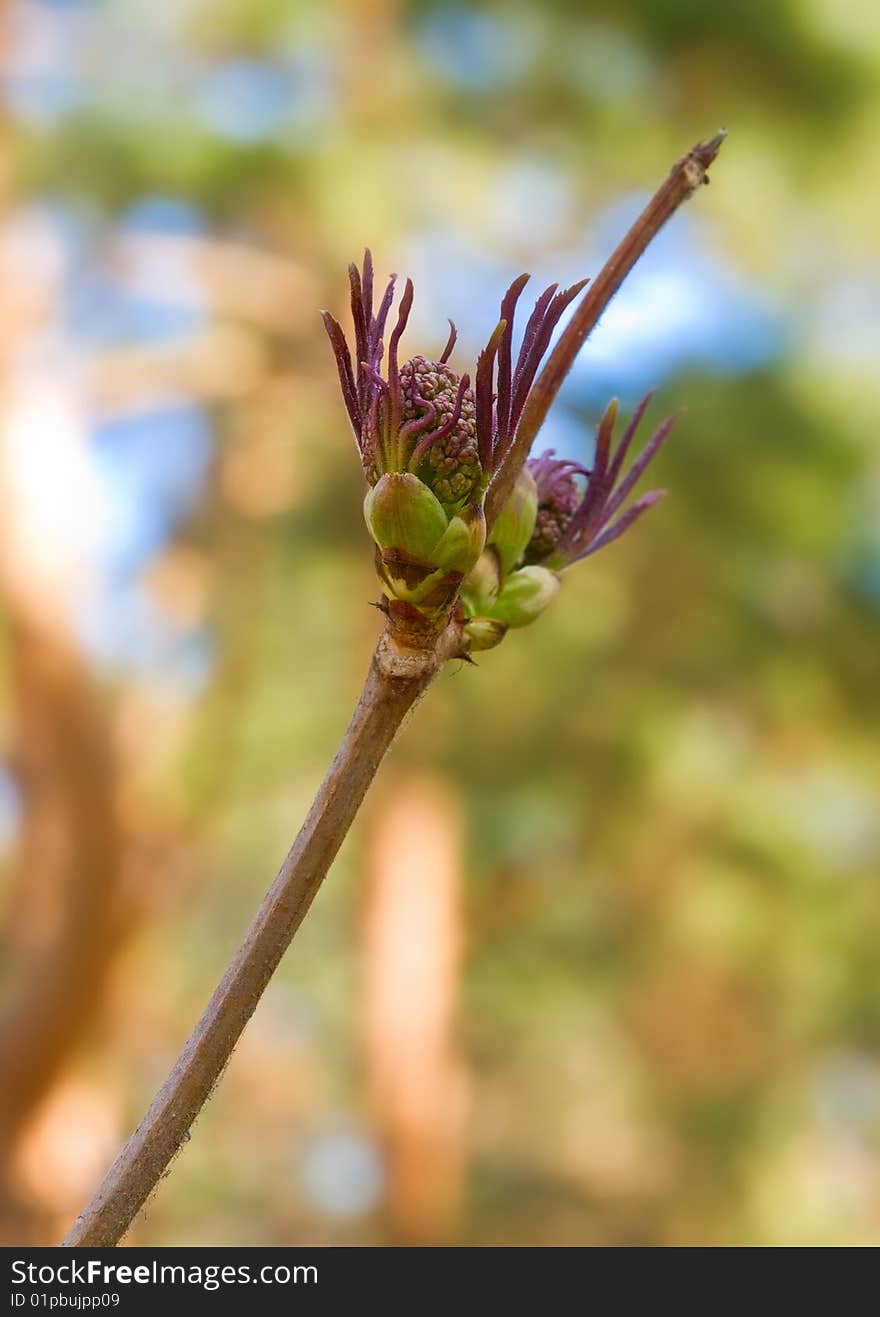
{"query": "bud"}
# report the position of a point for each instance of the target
(492, 608)
(482, 584)
(515, 523)
(438, 430)
(525, 595)
(462, 542)
(494, 595)
(558, 493)
(484, 633)
(402, 513)
(581, 511)
(423, 552)
(434, 451)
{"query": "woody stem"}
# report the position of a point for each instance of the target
(397, 678)
(686, 175)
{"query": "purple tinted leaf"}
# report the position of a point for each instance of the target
(627, 437)
(404, 309)
(638, 467)
(367, 289)
(358, 315)
(483, 399)
(623, 523)
(343, 365)
(450, 343)
(505, 354)
(377, 328)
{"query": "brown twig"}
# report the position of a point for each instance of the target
(403, 667)
(396, 680)
(686, 175)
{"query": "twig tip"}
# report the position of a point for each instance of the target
(705, 152)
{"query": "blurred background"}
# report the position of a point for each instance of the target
(599, 962)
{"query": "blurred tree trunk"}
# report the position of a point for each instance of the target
(63, 920)
(417, 1081)
(61, 913)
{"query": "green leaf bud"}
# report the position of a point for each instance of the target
(484, 633)
(402, 513)
(515, 523)
(462, 542)
(482, 584)
(525, 595)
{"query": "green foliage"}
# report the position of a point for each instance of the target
(671, 782)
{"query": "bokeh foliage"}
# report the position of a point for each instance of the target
(670, 1004)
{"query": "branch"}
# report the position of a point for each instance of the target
(396, 680)
(684, 178)
(404, 665)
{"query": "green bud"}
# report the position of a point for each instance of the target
(525, 595)
(462, 541)
(515, 523)
(484, 633)
(482, 583)
(402, 513)
(423, 553)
